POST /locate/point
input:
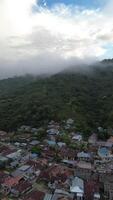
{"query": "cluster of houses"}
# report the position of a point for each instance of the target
(60, 166)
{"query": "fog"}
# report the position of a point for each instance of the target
(36, 39)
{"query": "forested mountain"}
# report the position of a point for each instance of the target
(87, 97)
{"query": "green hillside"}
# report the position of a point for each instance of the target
(86, 97)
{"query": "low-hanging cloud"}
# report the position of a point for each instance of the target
(35, 39)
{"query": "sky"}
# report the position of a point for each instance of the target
(46, 36)
(84, 3)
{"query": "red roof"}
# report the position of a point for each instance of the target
(23, 186)
(40, 164)
(91, 187)
(56, 172)
(35, 195)
(10, 181)
(5, 150)
(3, 175)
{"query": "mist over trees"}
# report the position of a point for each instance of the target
(88, 98)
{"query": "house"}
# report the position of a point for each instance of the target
(56, 173)
(84, 170)
(48, 153)
(67, 154)
(84, 156)
(34, 142)
(51, 143)
(3, 176)
(96, 196)
(108, 187)
(92, 190)
(101, 143)
(6, 150)
(111, 192)
(61, 144)
(70, 121)
(77, 188)
(3, 161)
(62, 194)
(34, 156)
(77, 137)
(53, 124)
(70, 163)
(24, 128)
(4, 136)
(2, 133)
(9, 183)
(93, 139)
(39, 164)
(23, 138)
(34, 195)
(26, 171)
(21, 189)
(103, 152)
(48, 196)
(109, 142)
(15, 155)
(14, 164)
(53, 131)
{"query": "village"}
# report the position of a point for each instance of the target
(55, 163)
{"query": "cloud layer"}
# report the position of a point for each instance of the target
(35, 39)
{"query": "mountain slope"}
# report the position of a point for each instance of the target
(88, 98)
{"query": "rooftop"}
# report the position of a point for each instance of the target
(10, 181)
(84, 165)
(34, 195)
(24, 167)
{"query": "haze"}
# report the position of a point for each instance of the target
(37, 38)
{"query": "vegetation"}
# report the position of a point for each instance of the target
(85, 97)
(36, 150)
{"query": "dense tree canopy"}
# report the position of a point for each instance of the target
(86, 97)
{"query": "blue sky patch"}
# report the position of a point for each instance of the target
(83, 3)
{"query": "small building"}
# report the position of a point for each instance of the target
(70, 163)
(34, 142)
(62, 195)
(109, 142)
(14, 155)
(9, 183)
(84, 170)
(3, 161)
(77, 137)
(92, 190)
(70, 121)
(51, 143)
(21, 189)
(77, 188)
(48, 196)
(26, 171)
(93, 139)
(103, 152)
(53, 131)
(34, 195)
(61, 144)
(84, 156)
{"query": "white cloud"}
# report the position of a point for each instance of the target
(36, 41)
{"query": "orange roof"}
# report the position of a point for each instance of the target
(10, 181)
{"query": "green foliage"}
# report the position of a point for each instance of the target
(78, 146)
(87, 98)
(36, 149)
(41, 134)
(65, 138)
